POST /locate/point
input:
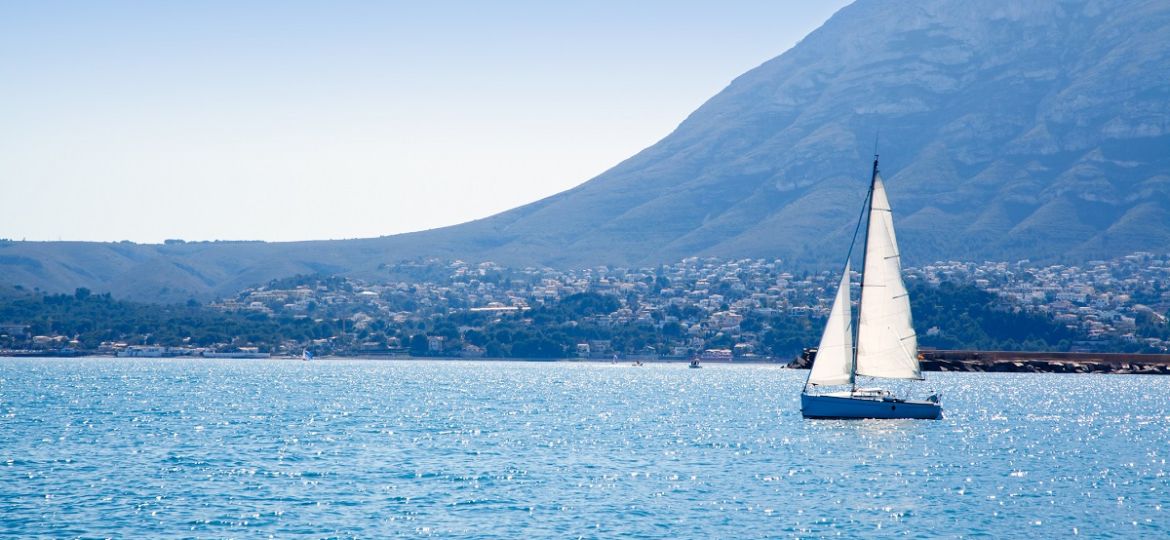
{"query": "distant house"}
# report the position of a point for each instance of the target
(600, 346)
(717, 355)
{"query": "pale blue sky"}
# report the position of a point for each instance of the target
(294, 120)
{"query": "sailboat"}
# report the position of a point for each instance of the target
(886, 345)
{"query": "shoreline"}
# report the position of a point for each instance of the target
(931, 360)
(624, 361)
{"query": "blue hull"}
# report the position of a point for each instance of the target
(825, 406)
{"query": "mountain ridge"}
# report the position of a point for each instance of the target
(1009, 130)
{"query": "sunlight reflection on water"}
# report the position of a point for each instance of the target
(138, 447)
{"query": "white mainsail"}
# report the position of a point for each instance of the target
(834, 361)
(887, 346)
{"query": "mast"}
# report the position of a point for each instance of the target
(864, 252)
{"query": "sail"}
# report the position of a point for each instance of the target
(886, 344)
(834, 360)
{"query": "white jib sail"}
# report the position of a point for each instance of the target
(886, 343)
(834, 360)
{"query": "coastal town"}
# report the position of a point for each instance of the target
(1123, 300)
(720, 309)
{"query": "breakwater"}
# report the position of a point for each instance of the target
(1030, 362)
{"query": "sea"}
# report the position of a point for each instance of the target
(199, 448)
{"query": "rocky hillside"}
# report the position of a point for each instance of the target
(1008, 129)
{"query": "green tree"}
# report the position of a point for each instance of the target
(418, 345)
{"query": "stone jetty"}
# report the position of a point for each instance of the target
(1030, 362)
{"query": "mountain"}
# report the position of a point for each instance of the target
(1008, 130)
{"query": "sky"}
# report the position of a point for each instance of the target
(281, 121)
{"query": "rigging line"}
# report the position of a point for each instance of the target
(857, 327)
(857, 229)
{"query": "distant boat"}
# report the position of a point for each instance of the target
(306, 355)
(695, 364)
(887, 347)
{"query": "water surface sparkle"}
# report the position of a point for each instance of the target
(229, 448)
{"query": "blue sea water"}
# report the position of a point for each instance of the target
(141, 448)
